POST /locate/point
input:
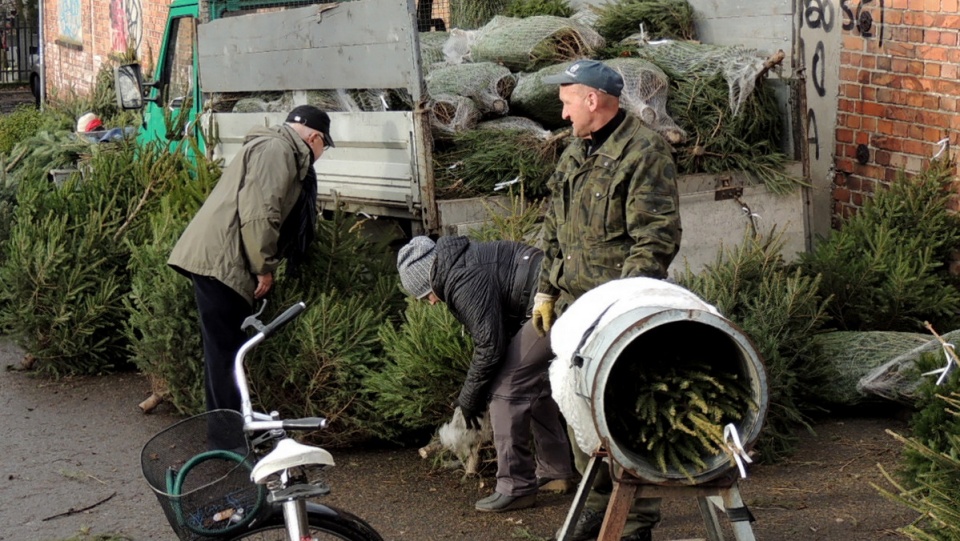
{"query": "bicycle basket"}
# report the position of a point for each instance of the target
(205, 490)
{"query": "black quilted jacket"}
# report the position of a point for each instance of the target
(489, 288)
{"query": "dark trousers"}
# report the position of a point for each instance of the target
(222, 311)
(521, 406)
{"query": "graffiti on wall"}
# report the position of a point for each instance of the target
(820, 17)
(126, 24)
(70, 21)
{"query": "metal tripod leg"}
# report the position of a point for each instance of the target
(586, 483)
(728, 500)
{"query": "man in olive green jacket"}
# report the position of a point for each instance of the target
(232, 246)
(614, 213)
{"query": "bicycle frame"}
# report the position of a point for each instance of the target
(273, 470)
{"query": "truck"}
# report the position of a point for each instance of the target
(216, 52)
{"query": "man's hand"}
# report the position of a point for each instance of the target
(471, 418)
(264, 283)
(543, 313)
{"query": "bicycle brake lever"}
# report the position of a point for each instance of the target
(254, 320)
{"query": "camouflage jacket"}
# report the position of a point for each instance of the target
(613, 214)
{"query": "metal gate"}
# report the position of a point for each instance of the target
(19, 46)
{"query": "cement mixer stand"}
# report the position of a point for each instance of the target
(721, 495)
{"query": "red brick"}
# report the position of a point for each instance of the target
(846, 106)
(844, 135)
(868, 61)
(914, 99)
(862, 138)
(931, 36)
(851, 121)
(950, 88)
(890, 95)
(932, 53)
(887, 143)
(848, 74)
(873, 109)
(868, 124)
(948, 38)
(841, 194)
(901, 113)
(916, 5)
(916, 148)
(882, 157)
(885, 126)
(884, 62)
(931, 70)
(883, 79)
(950, 21)
(868, 93)
(948, 71)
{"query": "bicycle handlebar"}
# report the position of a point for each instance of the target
(246, 408)
(284, 318)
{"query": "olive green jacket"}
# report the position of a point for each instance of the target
(613, 214)
(234, 236)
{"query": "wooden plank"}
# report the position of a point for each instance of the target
(314, 47)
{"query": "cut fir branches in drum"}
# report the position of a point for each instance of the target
(673, 411)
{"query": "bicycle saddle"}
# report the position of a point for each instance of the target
(288, 454)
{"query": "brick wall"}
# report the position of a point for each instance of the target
(898, 94)
(103, 28)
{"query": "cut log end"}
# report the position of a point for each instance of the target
(151, 402)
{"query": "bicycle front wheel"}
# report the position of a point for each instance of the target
(338, 525)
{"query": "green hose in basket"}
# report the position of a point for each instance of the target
(175, 480)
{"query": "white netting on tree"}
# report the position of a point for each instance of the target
(534, 99)
(451, 114)
(431, 49)
(587, 16)
(848, 356)
(899, 378)
(530, 43)
(338, 100)
(486, 83)
(516, 123)
(456, 49)
(645, 89)
(739, 66)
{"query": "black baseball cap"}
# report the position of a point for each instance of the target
(313, 118)
(590, 73)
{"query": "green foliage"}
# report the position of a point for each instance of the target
(472, 14)
(717, 141)
(22, 123)
(316, 367)
(932, 425)
(163, 326)
(661, 19)
(426, 361)
(349, 284)
(65, 275)
(674, 410)
(780, 310)
(518, 222)
(886, 269)
(530, 8)
(477, 160)
(934, 489)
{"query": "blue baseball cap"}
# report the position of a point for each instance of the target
(591, 73)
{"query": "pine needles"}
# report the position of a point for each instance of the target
(659, 19)
(679, 411)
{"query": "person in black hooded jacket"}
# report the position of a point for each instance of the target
(489, 288)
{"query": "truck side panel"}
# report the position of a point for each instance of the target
(372, 169)
(360, 44)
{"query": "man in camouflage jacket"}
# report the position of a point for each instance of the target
(614, 213)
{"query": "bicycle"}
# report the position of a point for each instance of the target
(257, 486)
